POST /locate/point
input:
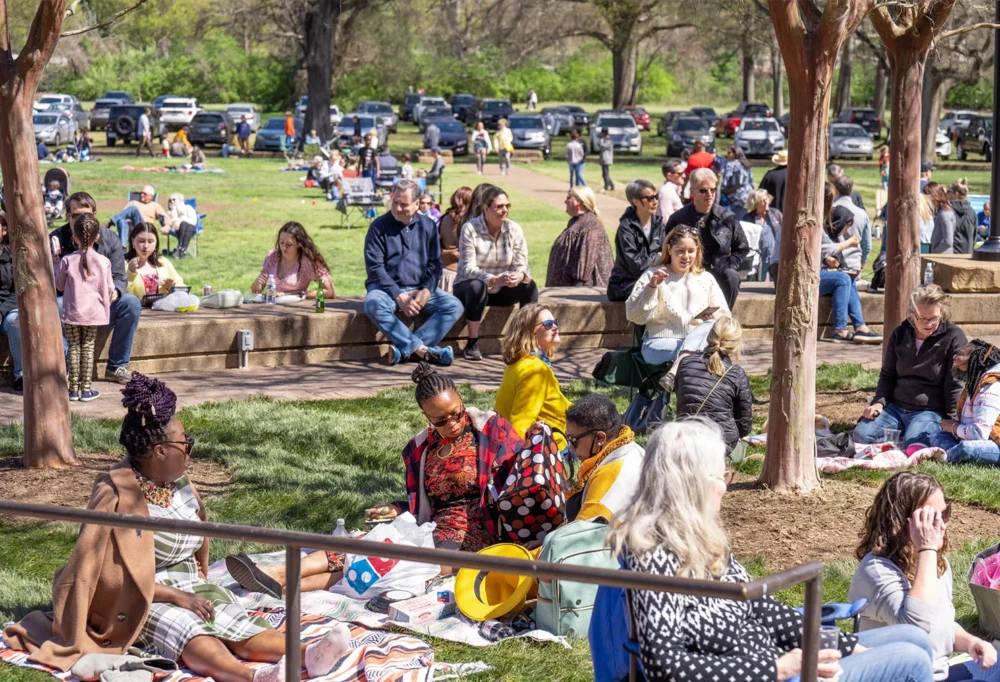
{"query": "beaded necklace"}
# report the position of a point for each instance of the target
(160, 495)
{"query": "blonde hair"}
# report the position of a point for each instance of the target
(675, 235)
(587, 200)
(960, 187)
(724, 341)
(924, 208)
(755, 196)
(671, 508)
(519, 342)
(930, 294)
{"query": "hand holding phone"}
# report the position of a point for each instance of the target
(707, 313)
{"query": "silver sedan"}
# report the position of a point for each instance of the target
(53, 127)
(849, 140)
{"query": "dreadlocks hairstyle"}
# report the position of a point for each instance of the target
(430, 383)
(982, 356)
(151, 406)
(86, 230)
(887, 524)
(307, 248)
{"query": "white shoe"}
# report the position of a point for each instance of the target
(323, 654)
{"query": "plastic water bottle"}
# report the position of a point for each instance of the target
(271, 291)
(494, 630)
(341, 530)
(929, 274)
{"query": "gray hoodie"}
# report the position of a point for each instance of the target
(607, 148)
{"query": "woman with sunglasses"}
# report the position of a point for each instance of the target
(529, 391)
(640, 235)
(975, 437)
(492, 265)
(125, 587)
(906, 578)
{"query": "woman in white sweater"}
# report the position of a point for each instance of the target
(678, 302)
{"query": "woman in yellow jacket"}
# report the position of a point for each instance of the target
(503, 145)
(529, 391)
(147, 271)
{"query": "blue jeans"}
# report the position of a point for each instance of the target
(11, 328)
(846, 302)
(576, 174)
(124, 321)
(896, 653)
(658, 351)
(965, 451)
(130, 214)
(443, 308)
(915, 426)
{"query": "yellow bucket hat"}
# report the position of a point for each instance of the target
(483, 595)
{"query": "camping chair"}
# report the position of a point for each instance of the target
(62, 177)
(357, 199)
(439, 181)
(198, 228)
(751, 265)
(627, 369)
(387, 177)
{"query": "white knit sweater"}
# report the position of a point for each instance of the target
(668, 311)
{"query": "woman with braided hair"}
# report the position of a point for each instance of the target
(975, 437)
(125, 587)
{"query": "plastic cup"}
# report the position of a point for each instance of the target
(890, 436)
(829, 637)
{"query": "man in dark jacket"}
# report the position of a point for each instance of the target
(640, 237)
(774, 180)
(724, 243)
(9, 327)
(125, 307)
(966, 224)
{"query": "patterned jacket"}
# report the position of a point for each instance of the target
(498, 444)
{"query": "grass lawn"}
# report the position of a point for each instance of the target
(302, 465)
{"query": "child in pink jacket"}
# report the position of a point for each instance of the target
(84, 277)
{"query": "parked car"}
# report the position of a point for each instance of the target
(707, 114)
(529, 133)
(453, 135)
(864, 117)
(177, 113)
(728, 124)
(667, 120)
(687, 130)
(460, 103)
(427, 101)
(383, 111)
(783, 123)
(976, 138)
(53, 127)
(234, 112)
(269, 137)
(489, 111)
(99, 113)
(759, 136)
(79, 115)
(123, 123)
(942, 143)
(123, 96)
(623, 131)
(432, 112)
(849, 140)
(564, 117)
(581, 119)
(641, 117)
(954, 122)
(158, 102)
(345, 129)
(406, 108)
(210, 127)
(45, 101)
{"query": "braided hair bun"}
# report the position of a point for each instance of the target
(151, 406)
(430, 383)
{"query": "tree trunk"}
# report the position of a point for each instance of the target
(934, 92)
(318, 29)
(452, 10)
(881, 84)
(625, 59)
(777, 92)
(843, 98)
(48, 441)
(749, 65)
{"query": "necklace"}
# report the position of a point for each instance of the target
(459, 444)
(160, 495)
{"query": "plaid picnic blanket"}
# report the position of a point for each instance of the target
(875, 457)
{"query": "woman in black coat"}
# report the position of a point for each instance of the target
(713, 386)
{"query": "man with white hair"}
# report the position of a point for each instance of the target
(723, 241)
(145, 210)
(403, 263)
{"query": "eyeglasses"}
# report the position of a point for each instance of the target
(650, 198)
(574, 440)
(706, 190)
(927, 320)
(453, 417)
(188, 443)
(549, 324)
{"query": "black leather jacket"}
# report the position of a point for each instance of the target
(633, 252)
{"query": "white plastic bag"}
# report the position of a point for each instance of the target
(179, 301)
(367, 576)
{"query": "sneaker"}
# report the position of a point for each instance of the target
(837, 338)
(74, 396)
(18, 384)
(393, 357)
(118, 375)
(89, 395)
(869, 336)
(472, 351)
(442, 356)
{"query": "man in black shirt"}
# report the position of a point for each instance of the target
(774, 180)
(368, 159)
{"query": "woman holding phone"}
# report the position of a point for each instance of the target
(678, 301)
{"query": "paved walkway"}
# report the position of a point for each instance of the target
(551, 191)
(355, 379)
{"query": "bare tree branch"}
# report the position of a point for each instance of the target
(967, 29)
(107, 22)
(660, 29)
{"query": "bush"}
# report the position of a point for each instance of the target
(978, 96)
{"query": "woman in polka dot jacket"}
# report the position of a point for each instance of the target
(672, 527)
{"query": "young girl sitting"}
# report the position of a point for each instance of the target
(84, 277)
(53, 201)
(148, 272)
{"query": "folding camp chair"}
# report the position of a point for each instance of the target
(627, 368)
(751, 265)
(198, 228)
(358, 200)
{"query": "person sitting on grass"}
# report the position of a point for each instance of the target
(917, 387)
(975, 437)
(672, 527)
(295, 263)
(906, 578)
(148, 272)
(148, 589)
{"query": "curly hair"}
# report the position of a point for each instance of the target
(982, 356)
(151, 406)
(886, 532)
(307, 248)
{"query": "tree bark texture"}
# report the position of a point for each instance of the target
(777, 92)
(881, 86)
(935, 91)
(749, 65)
(624, 60)
(319, 26)
(48, 441)
(843, 99)
(809, 44)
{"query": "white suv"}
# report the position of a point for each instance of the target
(175, 113)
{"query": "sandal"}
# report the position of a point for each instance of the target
(248, 576)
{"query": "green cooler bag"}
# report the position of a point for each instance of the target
(564, 607)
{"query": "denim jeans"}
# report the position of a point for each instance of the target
(443, 308)
(130, 214)
(11, 328)
(846, 302)
(896, 653)
(915, 426)
(576, 175)
(964, 451)
(658, 351)
(124, 321)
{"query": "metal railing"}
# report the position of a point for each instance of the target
(293, 541)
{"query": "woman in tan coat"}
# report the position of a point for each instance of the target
(125, 586)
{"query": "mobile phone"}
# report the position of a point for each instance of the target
(707, 312)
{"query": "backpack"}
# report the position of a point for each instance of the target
(878, 273)
(564, 607)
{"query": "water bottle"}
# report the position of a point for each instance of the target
(929, 274)
(494, 630)
(271, 291)
(341, 530)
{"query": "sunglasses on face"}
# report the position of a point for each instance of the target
(649, 198)
(706, 190)
(548, 325)
(575, 440)
(188, 443)
(499, 208)
(453, 417)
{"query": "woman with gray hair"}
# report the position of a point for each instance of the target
(185, 222)
(759, 211)
(672, 527)
(639, 239)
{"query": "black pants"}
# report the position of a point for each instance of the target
(474, 296)
(729, 282)
(608, 182)
(185, 232)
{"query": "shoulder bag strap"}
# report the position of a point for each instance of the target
(700, 407)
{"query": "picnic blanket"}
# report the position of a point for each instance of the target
(880, 456)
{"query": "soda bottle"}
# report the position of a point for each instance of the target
(320, 297)
(494, 630)
(271, 291)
